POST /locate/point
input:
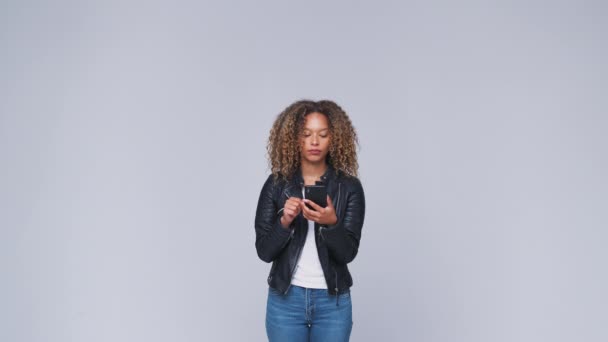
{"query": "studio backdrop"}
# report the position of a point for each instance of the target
(133, 150)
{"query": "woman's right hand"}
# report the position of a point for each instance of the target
(290, 211)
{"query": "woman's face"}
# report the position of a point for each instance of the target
(314, 142)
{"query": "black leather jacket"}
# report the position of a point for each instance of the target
(337, 245)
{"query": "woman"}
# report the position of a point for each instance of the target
(311, 143)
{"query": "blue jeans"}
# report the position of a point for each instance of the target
(308, 315)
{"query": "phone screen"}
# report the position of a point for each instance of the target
(317, 194)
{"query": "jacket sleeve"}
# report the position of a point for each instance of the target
(270, 236)
(342, 239)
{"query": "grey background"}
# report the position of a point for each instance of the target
(132, 151)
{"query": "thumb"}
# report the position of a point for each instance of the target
(330, 203)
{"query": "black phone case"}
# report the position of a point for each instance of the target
(317, 194)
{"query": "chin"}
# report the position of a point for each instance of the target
(316, 159)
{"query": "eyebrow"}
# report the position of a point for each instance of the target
(321, 130)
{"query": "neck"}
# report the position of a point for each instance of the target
(312, 172)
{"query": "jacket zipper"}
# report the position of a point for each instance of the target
(293, 269)
(336, 272)
(337, 209)
(271, 272)
(337, 293)
(286, 193)
(338, 201)
(297, 257)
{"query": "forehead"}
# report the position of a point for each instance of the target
(316, 121)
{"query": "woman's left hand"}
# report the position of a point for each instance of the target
(325, 216)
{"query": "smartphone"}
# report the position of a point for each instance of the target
(317, 194)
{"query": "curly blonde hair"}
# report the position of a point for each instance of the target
(283, 146)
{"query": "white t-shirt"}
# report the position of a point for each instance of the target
(308, 271)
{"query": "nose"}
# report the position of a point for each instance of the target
(315, 140)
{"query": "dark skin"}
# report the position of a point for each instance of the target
(314, 145)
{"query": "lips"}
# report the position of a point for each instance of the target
(314, 151)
